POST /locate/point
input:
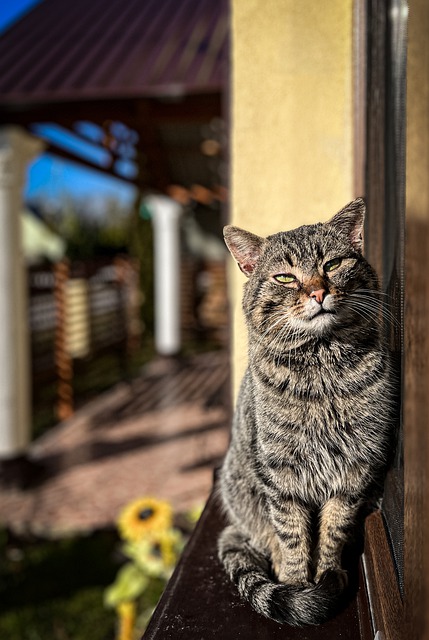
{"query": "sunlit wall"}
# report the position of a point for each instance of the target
(291, 119)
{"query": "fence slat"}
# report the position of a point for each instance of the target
(77, 312)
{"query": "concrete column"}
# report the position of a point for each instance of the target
(17, 148)
(165, 214)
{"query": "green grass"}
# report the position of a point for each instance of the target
(53, 590)
(78, 617)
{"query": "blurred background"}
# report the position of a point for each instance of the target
(122, 123)
(113, 154)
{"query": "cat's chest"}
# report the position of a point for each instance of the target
(322, 381)
(316, 453)
(323, 399)
(314, 418)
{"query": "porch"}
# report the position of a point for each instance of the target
(161, 435)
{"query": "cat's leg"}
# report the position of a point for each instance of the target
(290, 543)
(336, 518)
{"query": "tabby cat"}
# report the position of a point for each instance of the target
(312, 430)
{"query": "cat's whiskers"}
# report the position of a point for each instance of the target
(295, 335)
(362, 314)
(371, 314)
(376, 292)
(282, 337)
(286, 339)
(375, 306)
(279, 316)
(278, 313)
(371, 311)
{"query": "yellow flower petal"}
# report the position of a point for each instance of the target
(144, 517)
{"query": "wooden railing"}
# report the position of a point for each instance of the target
(76, 312)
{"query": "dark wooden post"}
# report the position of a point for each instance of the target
(63, 361)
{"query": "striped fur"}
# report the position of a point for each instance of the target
(312, 429)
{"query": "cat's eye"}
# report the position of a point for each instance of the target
(331, 265)
(285, 278)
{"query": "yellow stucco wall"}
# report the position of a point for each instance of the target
(292, 125)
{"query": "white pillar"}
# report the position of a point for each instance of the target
(165, 214)
(17, 148)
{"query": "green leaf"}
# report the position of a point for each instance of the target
(129, 584)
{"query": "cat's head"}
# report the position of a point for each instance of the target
(312, 280)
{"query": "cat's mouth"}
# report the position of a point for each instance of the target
(322, 312)
(321, 320)
(318, 318)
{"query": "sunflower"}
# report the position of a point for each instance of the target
(145, 517)
(170, 545)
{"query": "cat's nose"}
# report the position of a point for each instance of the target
(318, 295)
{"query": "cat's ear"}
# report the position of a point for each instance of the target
(244, 246)
(349, 221)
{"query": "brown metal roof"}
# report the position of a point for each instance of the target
(83, 49)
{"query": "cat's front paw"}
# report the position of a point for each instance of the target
(293, 578)
(338, 574)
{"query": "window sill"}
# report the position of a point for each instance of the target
(200, 603)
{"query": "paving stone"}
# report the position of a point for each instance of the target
(161, 435)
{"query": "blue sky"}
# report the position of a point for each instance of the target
(49, 177)
(11, 10)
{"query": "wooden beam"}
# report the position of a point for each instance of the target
(66, 155)
(196, 108)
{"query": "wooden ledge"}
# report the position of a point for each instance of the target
(386, 606)
(200, 603)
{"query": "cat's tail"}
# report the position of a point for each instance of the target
(294, 605)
